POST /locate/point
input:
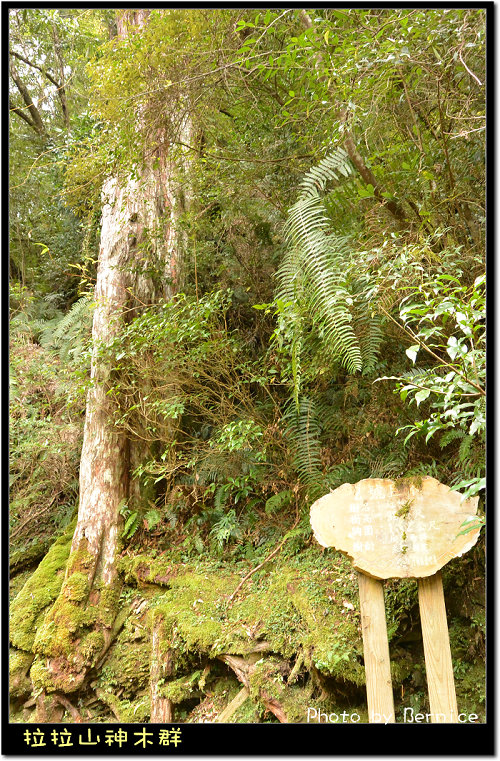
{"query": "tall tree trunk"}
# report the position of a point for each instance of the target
(138, 221)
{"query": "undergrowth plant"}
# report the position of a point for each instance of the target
(445, 320)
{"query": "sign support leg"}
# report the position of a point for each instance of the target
(376, 651)
(438, 664)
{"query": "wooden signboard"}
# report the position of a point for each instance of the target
(399, 529)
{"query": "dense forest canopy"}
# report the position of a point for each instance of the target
(247, 265)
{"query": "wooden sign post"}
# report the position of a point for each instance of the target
(405, 529)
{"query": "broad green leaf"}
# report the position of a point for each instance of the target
(412, 352)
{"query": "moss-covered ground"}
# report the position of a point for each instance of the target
(294, 624)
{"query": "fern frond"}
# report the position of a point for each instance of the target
(465, 447)
(66, 334)
(367, 320)
(277, 501)
(304, 430)
(328, 169)
(220, 497)
(131, 525)
(343, 474)
(312, 271)
(451, 435)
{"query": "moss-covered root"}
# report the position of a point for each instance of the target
(77, 630)
(41, 589)
(126, 711)
(19, 666)
(28, 608)
(265, 679)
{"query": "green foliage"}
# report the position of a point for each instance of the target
(278, 501)
(45, 443)
(239, 417)
(227, 527)
(447, 321)
(132, 521)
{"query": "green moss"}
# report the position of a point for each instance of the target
(181, 689)
(92, 646)
(19, 665)
(127, 666)
(56, 635)
(81, 560)
(404, 509)
(303, 607)
(289, 608)
(76, 587)
(404, 483)
(16, 583)
(40, 590)
(331, 639)
(268, 682)
(28, 556)
(108, 604)
(71, 634)
(127, 711)
(248, 713)
(40, 675)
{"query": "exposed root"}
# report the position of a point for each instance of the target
(69, 707)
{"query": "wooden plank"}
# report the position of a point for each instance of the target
(376, 651)
(438, 663)
(407, 528)
(233, 706)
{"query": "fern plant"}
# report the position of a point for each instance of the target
(312, 276)
(303, 429)
(69, 334)
(132, 521)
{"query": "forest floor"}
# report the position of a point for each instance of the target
(285, 640)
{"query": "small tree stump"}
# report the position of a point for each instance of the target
(161, 667)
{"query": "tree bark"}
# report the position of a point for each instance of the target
(161, 669)
(138, 223)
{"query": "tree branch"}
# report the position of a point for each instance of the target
(356, 158)
(35, 66)
(61, 90)
(20, 112)
(368, 176)
(38, 124)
